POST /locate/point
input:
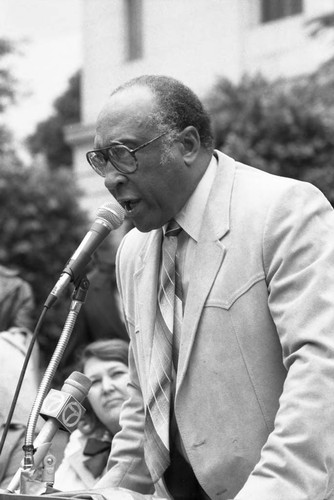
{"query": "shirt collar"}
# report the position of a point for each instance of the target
(191, 215)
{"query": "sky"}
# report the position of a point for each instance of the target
(49, 36)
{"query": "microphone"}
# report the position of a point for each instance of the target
(63, 411)
(109, 217)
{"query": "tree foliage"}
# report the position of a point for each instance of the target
(321, 23)
(48, 137)
(286, 128)
(7, 79)
(41, 225)
(41, 220)
(8, 85)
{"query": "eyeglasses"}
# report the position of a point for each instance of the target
(120, 156)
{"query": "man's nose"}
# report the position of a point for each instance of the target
(113, 178)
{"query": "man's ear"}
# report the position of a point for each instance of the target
(190, 144)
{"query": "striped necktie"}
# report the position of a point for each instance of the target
(160, 377)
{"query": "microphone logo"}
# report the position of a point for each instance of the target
(64, 407)
(71, 415)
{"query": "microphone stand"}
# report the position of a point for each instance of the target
(31, 460)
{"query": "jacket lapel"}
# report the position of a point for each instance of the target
(210, 254)
(146, 294)
(209, 257)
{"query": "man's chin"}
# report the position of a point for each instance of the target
(144, 227)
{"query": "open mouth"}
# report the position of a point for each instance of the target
(129, 205)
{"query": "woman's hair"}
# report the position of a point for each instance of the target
(106, 350)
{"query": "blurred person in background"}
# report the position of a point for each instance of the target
(16, 301)
(16, 323)
(105, 362)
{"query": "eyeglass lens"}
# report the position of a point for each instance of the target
(119, 157)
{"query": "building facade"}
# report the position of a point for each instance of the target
(196, 41)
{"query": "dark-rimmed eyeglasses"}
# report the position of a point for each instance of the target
(120, 156)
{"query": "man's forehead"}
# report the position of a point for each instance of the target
(125, 112)
(130, 101)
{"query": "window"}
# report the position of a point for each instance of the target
(134, 29)
(271, 10)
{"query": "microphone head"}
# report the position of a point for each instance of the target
(78, 385)
(112, 213)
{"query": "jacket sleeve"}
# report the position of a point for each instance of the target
(298, 255)
(11, 456)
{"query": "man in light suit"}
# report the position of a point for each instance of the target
(252, 412)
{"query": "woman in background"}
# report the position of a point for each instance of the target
(105, 362)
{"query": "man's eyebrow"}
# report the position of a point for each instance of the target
(112, 143)
(123, 142)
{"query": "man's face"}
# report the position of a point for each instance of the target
(157, 190)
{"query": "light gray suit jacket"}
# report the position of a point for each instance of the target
(255, 384)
